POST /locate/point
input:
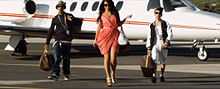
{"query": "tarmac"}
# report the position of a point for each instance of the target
(184, 70)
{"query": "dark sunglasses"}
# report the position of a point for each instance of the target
(105, 5)
(156, 12)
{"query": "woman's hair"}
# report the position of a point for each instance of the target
(112, 9)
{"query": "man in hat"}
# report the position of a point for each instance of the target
(59, 29)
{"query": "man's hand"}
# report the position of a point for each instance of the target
(46, 47)
(166, 44)
(94, 44)
(149, 52)
(69, 18)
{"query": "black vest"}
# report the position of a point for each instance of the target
(153, 33)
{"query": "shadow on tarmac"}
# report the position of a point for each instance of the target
(137, 50)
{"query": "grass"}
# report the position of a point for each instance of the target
(202, 3)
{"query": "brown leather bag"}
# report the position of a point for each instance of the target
(45, 62)
(149, 62)
(148, 66)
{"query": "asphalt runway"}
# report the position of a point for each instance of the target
(184, 71)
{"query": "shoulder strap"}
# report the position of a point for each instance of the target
(63, 25)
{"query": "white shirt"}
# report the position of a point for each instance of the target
(158, 34)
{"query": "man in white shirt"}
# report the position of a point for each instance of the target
(158, 42)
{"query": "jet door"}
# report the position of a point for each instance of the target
(152, 4)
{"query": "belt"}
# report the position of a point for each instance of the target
(65, 42)
(60, 42)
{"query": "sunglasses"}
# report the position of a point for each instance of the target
(156, 12)
(105, 5)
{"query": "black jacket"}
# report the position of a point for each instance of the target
(153, 38)
(60, 28)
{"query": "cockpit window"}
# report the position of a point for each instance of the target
(153, 4)
(170, 5)
(119, 5)
(95, 6)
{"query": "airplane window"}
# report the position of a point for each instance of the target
(153, 4)
(84, 6)
(95, 6)
(170, 5)
(73, 6)
(42, 8)
(119, 5)
(177, 3)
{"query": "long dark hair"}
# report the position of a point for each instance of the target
(112, 9)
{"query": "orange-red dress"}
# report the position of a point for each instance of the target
(108, 35)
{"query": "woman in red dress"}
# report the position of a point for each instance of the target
(107, 38)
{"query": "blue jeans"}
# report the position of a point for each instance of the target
(61, 52)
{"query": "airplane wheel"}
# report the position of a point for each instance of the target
(202, 54)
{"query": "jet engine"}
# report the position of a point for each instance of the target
(30, 6)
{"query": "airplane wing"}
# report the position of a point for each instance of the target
(14, 28)
(18, 30)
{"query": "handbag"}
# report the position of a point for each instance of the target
(148, 67)
(45, 62)
(122, 39)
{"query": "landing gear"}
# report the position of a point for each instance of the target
(18, 45)
(202, 53)
(21, 48)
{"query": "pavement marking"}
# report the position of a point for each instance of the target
(20, 82)
(185, 68)
(6, 87)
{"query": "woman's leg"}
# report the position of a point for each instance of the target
(163, 58)
(114, 53)
(107, 69)
(162, 79)
(155, 55)
(163, 69)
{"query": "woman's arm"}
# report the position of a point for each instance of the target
(167, 43)
(122, 22)
(169, 32)
(148, 38)
(98, 30)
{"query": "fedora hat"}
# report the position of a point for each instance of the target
(61, 4)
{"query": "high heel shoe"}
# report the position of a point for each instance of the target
(109, 82)
(113, 78)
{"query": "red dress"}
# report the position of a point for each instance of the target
(108, 35)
